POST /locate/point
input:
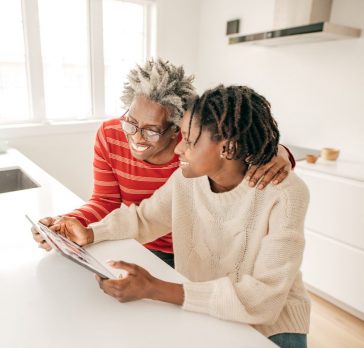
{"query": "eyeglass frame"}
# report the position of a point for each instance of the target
(142, 130)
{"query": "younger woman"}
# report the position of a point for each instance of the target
(240, 247)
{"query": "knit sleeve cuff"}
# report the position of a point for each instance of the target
(101, 231)
(198, 296)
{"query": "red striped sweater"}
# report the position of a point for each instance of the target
(120, 178)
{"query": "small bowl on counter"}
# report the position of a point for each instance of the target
(311, 158)
(330, 154)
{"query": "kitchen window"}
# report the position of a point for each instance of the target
(67, 60)
(65, 57)
(124, 43)
(13, 81)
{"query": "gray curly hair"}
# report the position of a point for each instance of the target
(162, 82)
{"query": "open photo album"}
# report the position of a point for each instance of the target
(71, 250)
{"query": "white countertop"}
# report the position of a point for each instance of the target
(49, 301)
(340, 168)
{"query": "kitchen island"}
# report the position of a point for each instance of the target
(49, 301)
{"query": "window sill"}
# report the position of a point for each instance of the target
(50, 128)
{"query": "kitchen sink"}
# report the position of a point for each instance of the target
(15, 180)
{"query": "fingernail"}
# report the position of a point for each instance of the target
(275, 182)
(251, 183)
(260, 187)
(110, 262)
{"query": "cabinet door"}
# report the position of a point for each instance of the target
(336, 208)
(335, 269)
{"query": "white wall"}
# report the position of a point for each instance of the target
(316, 90)
(177, 32)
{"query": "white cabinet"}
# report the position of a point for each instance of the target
(333, 264)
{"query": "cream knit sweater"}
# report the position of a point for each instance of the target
(241, 250)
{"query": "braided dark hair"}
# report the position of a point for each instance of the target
(241, 116)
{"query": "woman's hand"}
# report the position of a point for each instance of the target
(275, 171)
(47, 221)
(139, 284)
(72, 229)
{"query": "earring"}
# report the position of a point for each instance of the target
(223, 152)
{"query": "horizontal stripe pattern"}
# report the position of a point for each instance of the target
(140, 164)
(139, 178)
(120, 178)
(117, 142)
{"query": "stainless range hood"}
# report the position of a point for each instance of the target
(302, 21)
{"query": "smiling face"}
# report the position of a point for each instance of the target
(147, 114)
(202, 158)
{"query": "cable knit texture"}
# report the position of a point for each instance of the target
(241, 250)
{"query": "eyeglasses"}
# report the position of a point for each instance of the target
(147, 134)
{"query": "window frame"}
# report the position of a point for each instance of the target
(38, 123)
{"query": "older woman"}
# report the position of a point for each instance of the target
(240, 247)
